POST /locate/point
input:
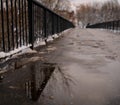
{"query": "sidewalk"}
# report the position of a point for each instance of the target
(90, 64)
(86, 72)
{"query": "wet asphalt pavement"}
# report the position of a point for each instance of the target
(82, 67)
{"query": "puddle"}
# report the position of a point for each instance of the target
(26, 80)
(25, 84)
(39, 77)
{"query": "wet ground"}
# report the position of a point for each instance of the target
(83, 69)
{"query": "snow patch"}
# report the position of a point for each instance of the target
(28, 50)
(40, 43)
(55, 36)
(49, 39)
(3, 54)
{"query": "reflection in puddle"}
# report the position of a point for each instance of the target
(28, 82)
(39, 78)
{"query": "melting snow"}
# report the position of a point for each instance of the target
(3, 54)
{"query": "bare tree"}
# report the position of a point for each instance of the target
(97, 13)
(61, 7)
(49, 3)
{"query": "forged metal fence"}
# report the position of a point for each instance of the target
(112, 25)
(45, 22)
(14, 24)
(24, 22)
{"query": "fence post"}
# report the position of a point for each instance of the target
(53, 23)
(118, 25)
(45, 22)
(2, 17)
(30, 19)
(113, 25)
(57, 23)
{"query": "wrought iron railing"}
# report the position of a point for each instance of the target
(24, 22)
(112, 25)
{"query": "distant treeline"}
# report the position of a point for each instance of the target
(96, 13)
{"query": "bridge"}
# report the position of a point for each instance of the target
(80, 67)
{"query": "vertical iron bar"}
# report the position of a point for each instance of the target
(57, 23)
(38, 19)
(52, 23)
(8, 31)
(16, 23)
(40, 23)
(118, 25)
(113, 25)
(23, 23)
(30, 18)
(12, 24)
(26, 22)
(45, 33)
(20, 24)
(3, 35)
(35, 20)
